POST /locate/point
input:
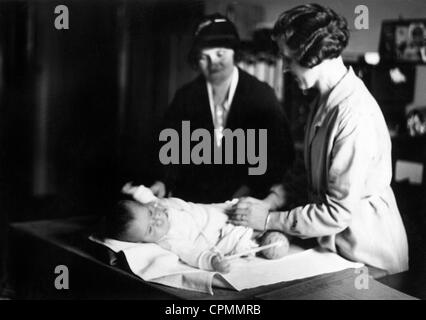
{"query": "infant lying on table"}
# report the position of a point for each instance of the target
(198, 233)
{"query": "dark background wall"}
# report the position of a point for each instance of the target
(78, 107)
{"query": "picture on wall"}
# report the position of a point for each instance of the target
(403, 41)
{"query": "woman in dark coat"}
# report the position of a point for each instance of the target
(225, 97)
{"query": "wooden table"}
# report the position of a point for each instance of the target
(39, 246)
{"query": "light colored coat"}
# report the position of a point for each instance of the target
(348, 159)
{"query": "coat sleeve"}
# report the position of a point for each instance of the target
(348, 167)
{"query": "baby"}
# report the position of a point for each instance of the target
(198, 233)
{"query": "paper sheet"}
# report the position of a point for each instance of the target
(299, 264)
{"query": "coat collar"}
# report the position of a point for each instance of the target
(344, 88)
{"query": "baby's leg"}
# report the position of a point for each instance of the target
(235, 239)
(277, 251)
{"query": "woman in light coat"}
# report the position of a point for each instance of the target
(352, 209)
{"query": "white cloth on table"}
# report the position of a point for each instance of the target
(155, 264)
(152, 263)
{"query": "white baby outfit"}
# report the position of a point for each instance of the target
(198, 231)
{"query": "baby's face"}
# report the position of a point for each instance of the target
(150, 223)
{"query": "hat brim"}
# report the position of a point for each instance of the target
(212, 42)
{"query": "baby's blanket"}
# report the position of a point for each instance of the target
(155, 264)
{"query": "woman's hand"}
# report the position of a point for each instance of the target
(220, 264)
(249, 212)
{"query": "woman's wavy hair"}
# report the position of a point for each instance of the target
(313, 32)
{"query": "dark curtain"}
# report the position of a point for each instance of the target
(159, 40)
(78, 107)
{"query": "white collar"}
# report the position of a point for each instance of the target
(231, 93)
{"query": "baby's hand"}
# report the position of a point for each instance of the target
(220, 264)
(129, 188)
(139, 193)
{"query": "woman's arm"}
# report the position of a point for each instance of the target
(349, 159)
(276, 198)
